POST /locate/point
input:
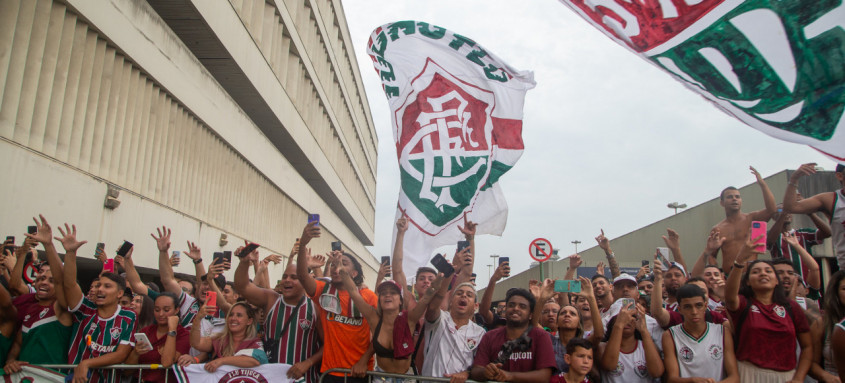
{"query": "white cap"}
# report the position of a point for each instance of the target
(625, 277)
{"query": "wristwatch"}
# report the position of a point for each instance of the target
(171, 333)
(197, 261)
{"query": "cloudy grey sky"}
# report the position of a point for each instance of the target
(609, 138)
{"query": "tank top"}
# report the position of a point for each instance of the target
(700, 358)
(837, 227)
(630, 368)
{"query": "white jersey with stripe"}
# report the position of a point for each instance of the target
(837, 227)
(703, 357)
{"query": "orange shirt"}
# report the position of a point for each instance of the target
(345, 336)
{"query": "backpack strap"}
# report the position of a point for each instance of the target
(417, 349)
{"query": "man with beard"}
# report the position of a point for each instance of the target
(451, 337)
(43, 315)
(517, 352)
(601, 288)
(291, 322)
(674, 278)
(735, 227)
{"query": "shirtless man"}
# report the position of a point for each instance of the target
(832, 204)
(734, 228)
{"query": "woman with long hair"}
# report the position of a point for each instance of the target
(238, 345)
(824, 366)
(143, 306)
(167, 340)
(769, 325)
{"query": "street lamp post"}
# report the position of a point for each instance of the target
(489, 271)
(676, 206)
(576, 242)
(495, 258)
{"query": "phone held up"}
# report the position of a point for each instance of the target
(124, 249)
(758, 228)
(249, 248)
(565, 286)
(505, 260)
(442, 265)
(385, 261)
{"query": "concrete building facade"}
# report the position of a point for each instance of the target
(233, 118)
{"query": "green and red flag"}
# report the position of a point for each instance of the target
(777, 66)
(456, 114)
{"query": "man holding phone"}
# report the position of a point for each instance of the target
(734, 228)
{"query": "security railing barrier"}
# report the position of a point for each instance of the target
(139, 367)
(370, 374)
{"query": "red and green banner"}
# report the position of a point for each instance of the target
(778, 66)
(456, 111)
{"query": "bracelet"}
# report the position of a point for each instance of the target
(197, 261)
(792, 184)
(739, 266)
(611, 255)
(197, 359)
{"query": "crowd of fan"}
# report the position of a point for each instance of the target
(744, 320)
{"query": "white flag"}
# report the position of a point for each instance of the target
(457, 123)
(31, 373)
(196, 373)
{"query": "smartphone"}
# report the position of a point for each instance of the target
(442, 265)
(142, 338)
(645, 262)
(758, 228)
(227, 257)
(100, 247)
(567, 286)
(314, 218)
(249, 248)
(385, 261)
(503, 260)
(32, 229)
(462, 245)
(211, 301)
(217, 257)
(10, 247)
(175, 254)
(124, 249)
(337, 246)
(108, 266)
(663, 256)
(629, 301)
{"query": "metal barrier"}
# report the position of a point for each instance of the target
(370, 374)
(139, 367)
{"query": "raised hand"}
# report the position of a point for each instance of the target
(575, 261)
(803, 170)
(658, 266)
(749, 249)
(600, 268)
(586, 287)
(547, 290)
(468, 229)
(312, 230)
(714, 242)
(756, 174)
(791, 239)
(44, 234)
(316, 261)
(275, 258)
(501, 271)
(383, 270)
(174, 260)
(193, 252)
(672, 239)
(534, 287)
(603, 242)
(402, 223)
(68, 239)
(163, 239)
(101, 256)
(218, 268)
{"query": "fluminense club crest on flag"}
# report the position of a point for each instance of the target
(456, 111)
(777, 66)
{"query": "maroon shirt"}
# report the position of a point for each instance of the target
(540, 355)
(183, 346)
(768, 336)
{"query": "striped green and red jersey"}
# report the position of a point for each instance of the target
(299, 341)
(105, 335)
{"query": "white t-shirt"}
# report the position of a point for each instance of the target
(700, 358)
(449, 349)
(631, 368)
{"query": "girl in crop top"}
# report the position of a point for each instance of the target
(393, 341)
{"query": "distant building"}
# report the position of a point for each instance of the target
(693, 225)
(233, 118)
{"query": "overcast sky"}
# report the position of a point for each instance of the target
(609, 138)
